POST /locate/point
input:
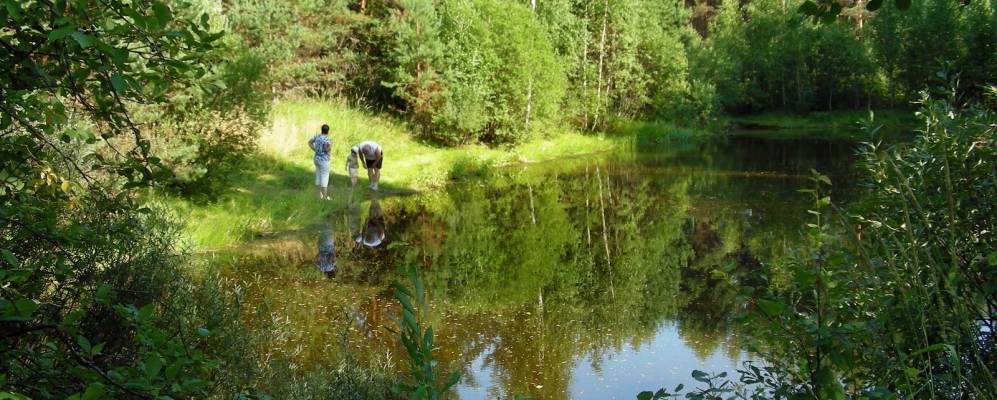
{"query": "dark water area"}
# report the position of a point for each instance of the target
(588, 278)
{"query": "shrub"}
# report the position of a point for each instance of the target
(204, 149)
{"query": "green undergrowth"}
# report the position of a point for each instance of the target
(835, 125)
(275, 190)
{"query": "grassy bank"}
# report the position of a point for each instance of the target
(837, 125)
(275, 191)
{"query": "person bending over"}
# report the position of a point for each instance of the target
(372, 158)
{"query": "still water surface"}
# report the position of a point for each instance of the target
(588, 278)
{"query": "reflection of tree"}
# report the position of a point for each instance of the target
(539, 271)
(533, 272)
(596, 268)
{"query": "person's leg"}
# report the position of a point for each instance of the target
(371, 171)
(377, 171)
(324, 181)
(318, 180)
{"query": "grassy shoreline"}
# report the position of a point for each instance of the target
(834, 125)
(275, 191)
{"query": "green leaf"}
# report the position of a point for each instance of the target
(13, 8)
(119, 83)
(61, 32)
(83, 39)
(84, 344)
(427, 339)
(11, 259)
(770, 307)
(645, 395)
(700, 376)
(153, 365)
(25, 307)
(145, 313)
(203, 332)
(96, 349)
(94, 391)
(104, 294)
(162, 12)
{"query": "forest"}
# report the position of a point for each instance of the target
(802, 190)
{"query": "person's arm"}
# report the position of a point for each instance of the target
(311, 144)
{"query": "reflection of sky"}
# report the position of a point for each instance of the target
(482, 379)
(664, 362)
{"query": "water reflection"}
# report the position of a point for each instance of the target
(326, 258)
(591, 278)
(372, 233)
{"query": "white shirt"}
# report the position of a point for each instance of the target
(369, 149)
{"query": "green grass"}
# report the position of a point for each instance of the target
(840, 125)
(275, 191)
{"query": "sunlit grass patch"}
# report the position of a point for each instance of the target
(275, 190)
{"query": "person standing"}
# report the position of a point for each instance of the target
(322, 146)
(372, 158)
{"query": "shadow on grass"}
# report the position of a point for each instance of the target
(270, 195)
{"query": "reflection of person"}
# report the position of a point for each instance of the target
(321, 145)
(351, 166)
(326, 260)
(372, 158)
(373, 232)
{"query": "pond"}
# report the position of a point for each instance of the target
(595, 277)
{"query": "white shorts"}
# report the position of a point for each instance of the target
(322, 173)
(353, 172)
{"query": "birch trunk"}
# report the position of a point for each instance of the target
(602, 57)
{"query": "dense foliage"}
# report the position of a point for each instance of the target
(896, 297)
(96, 295)
(499, 72)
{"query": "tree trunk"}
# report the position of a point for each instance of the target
(605, 235)
(588, 211)
(602, 56)
(584, 72)
(529, 102)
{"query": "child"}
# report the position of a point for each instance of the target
(352, 165)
